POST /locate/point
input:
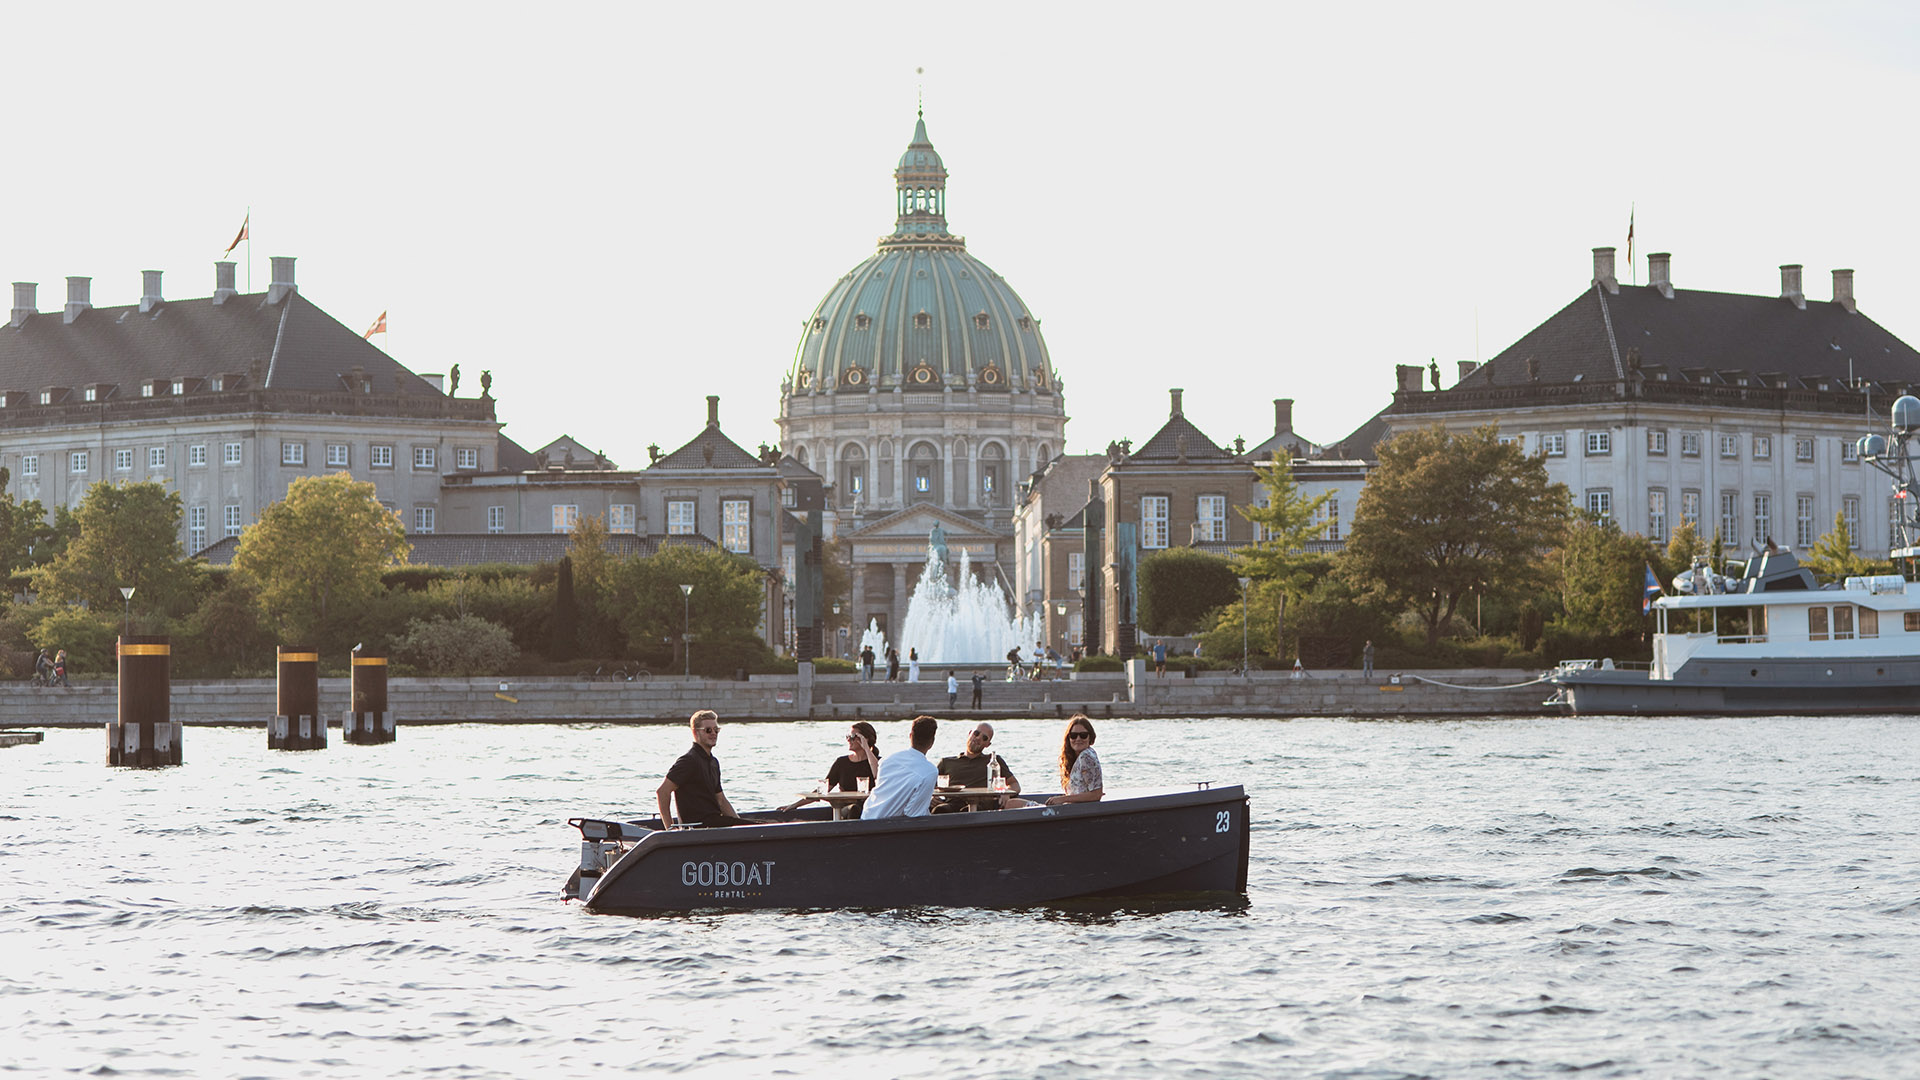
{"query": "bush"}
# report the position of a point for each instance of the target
(88, 638)
(1179, 586)
(463, 645)
(829, 665)
(1099, 663)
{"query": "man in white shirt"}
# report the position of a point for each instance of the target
(904, 787)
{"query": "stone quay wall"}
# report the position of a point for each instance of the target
(1134, 693)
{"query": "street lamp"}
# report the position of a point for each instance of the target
(126, 593)
(686, 628)
(1243, 626)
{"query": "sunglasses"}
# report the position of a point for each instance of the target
(1079, 734)
(709, 731)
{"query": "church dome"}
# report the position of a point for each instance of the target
(921, 314)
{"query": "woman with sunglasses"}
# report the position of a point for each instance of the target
(1079, 767)
(861, 761)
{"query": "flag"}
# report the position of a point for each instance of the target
(1630, 234)
(244, 222)
(379, 326)
(1653, 591)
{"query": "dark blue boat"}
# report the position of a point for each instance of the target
(1183, 842)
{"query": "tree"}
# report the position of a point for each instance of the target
(1603, 575)
(1445, 513)
(1288, 521)
(1684, 547)
(565, 614)
(1834, 556)
(836, 587)
(725, 603)
(1179, 587)
(462, 645)
(126, 535)
(318, 553)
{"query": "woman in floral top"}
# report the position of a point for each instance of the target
(1079, 765)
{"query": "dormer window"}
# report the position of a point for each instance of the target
(862, 321)
(179, 386)
(93, 393)
(819, 323)
(217, 383)
(980, 321)
(1026, 324)
(922, 321)
(146, 389)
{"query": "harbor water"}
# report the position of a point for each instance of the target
(1493, 898)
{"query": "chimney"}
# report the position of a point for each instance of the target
(282, 285)
(1603, 270)
(1406, 377)
(1282, 415)
(23, 302)
(149, 290)
(78, 290)
(223, 289)
(1660, 273)
(1176, 401)
(1790, 286)
(713, 410)
(1467, 367)
(1843, 290)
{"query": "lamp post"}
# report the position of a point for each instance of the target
(126, 627)
(840, 631)
(686, 629)
(1243, 626)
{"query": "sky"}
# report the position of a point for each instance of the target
(621, 209)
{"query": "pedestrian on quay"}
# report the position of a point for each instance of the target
(953, 689)
(1366, 660)
(893, 664)
(60, 669)
(866, 663)
(979, 682)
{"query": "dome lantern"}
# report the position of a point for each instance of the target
(920, 194)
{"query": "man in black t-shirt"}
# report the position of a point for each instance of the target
(969, 768)
(695, 780)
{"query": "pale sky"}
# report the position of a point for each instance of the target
(621, 209)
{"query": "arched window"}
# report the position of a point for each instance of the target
(992, 475)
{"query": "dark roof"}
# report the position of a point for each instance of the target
(571, 452)
(290, 345)
(474, 549)
(512, 457)
(1178, 439)
(709, 450)
(1600, 335)
(1360, 444)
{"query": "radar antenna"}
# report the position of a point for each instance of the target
(1894, 455)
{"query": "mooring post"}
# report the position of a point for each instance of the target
(145, 736)
(368, 719)
(297, 723)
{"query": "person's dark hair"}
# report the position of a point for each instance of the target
(1068, 755)
(923, 732)
(866, 732)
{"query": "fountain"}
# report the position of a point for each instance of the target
(948, 624)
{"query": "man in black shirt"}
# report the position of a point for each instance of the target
(969, 768)
(695, 780)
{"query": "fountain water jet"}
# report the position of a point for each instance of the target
(967, 624)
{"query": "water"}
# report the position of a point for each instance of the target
(964, 624)
(1511, 898)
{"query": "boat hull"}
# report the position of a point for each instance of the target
(1183, 842)
(1751, 687)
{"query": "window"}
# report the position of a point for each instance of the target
(380, 457)
(1802, 449)
(1803, 521)
(1509, 440)
(156, 457)
(1911, 621)
(789, 498)
(1850, 513)
(1076, 570)
(92, 394)
(1842, 622)
(736, 525)
(230, 454)
(1153, 521)
(1729, 446)
(1849, 452)
(1689, 444)
(1730, 518)
(1690, 509)
(122, 460)
(620, 518)
(77, 462)
(922, 480)
(218, 382)
(1553, 445)
(565, 518)
(1816, 624)
(423, 458)
(196, 529)
(338, 456)
(179, 387)
(1211, 510)
(293, 453)
(197, 456)
(1657, 514)
(1869, 622)
(680, 517)
(496, 519)
(1333, 517)
(1763, 518)
(146, 389)
(1656, 440)
(231, 519)
(30, 465)
(466, 458)
(1599, 442)
(1600, 503)
(423, 519)
(1762, 447)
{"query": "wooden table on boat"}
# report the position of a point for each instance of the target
(843, 801)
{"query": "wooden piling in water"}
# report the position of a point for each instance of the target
(368, 720)
(297, 723)
(145, 736)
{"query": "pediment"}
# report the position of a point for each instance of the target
(917, 521)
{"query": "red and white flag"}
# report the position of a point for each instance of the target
(379, 326)
(244, 222)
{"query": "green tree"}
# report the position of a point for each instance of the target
(1180, 587)
(318, 553)
(1834, 556)
(126, 535)
(1684, 546)
(1443, 514)
(724, 605)
(1288, 523)
(566, 613)
(462, 645)
(1603, 574)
